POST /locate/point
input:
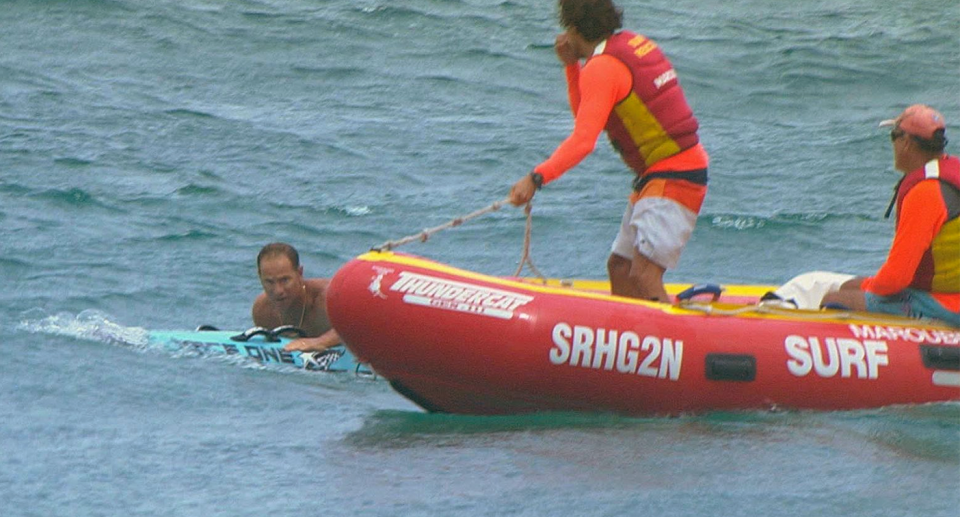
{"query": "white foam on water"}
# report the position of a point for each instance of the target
(90, 324)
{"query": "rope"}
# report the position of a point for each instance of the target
(792, 313)
(427, 233)
(424, 235)
(758, 309)
(525, 259)
(525, 256)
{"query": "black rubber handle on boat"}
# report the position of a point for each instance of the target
(696, 290)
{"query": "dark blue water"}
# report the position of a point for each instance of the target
(149, 149)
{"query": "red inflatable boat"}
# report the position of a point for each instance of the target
(461, 342)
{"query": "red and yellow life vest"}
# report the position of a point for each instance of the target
(654, 122)
(939, 270)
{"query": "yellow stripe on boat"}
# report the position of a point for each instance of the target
(599, 290)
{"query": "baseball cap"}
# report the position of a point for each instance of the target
(918, 120)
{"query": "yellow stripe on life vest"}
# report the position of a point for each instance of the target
(645, 130)
(946, 258)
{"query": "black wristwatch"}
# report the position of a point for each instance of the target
(537, 179)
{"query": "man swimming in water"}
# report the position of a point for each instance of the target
(290, 299)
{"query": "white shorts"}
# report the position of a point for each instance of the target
(658, 228)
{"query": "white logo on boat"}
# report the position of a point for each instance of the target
(845, 356)
(451, 295)
(377, 280)
(913, 335)
(609, 349)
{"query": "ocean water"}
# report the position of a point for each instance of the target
(149, 149)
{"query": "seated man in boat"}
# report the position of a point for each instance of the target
(628, 87)
(921, 276)
(290, 299)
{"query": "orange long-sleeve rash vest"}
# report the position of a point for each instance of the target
(922, 214)
(593, 91)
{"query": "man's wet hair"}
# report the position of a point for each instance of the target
(595, 20)
(279, 248)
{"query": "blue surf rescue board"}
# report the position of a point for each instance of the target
(261, 345)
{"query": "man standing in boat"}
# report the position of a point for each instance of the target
(290, 299)
(921, 276)
(629, 88)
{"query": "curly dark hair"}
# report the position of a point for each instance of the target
(595, 20)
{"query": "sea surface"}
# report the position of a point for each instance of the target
(148, 149)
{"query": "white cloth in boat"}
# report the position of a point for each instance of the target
(805, 291)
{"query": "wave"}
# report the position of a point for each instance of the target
(185, 112)
(89, 325)
(353, 210)
(14, 189)
(198, 190)
(386, 10)
(96, 326)
(100, 5)
(399, 429)
(331, 72)
(263, 15)
(925, 431)
(76, 197)
(72, 162)
(187, 236)
(13, 267)
(741, 222)
(72, 198)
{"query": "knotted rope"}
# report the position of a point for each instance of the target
(525, 256)
(425, 234)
